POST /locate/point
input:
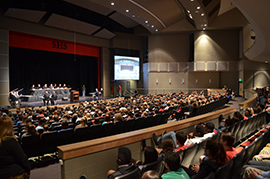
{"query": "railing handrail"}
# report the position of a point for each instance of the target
(250, 100)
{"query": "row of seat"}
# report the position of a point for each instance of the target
(245, 128)
(247, 150)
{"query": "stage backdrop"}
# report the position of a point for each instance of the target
(39, 60)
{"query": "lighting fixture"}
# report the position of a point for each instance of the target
(202, 14)
(198, 7)
(112, 3)
(156, 30)
(152, 26)
(127, 10)
(146, 22)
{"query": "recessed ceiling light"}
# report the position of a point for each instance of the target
(112, 3)
(203, 28)
(127, 10)
(191, 0)
(198, 7)
(205, 25)
(188, 11)
(133, 15)
(266, 61)
(152, 26)
(196, 12)
(146, 22)
(156, 30)
(202, 14)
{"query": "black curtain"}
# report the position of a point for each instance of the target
(27, 67)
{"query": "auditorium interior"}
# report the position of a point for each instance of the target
(182, 46)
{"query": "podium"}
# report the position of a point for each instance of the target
(74, 95)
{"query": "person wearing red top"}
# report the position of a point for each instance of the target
(227, 140)
(181, 138)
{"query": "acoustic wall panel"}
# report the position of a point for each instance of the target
(153, 67)
(173, 67)
(163, 67)
(200, 66)
(211, 66)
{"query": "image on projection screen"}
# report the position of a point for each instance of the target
(126, 68)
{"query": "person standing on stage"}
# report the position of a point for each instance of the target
(53, 98)
(96, 93)
(83, 90)
(119, 90)
(101, 92)
(46, 98)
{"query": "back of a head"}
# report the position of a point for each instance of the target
(151, 174)
(238, 115)
(181, 137)
(216, 151)
(209, 126)
(172, 159)
(167, 145)
(229, 137)
(124, 156)
(6, 128)
(199, 130)
(150, 155)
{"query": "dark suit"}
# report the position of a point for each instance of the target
(53, 98)
(46, 98)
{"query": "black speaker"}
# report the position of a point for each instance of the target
(191, 47)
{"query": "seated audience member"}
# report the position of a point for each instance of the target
(118, 117)
(107, 118)
(41, 123)
(14, 163)
(181, 139)
(227, 141)
(151, 174)
(216, 155)
(167, 146)
(30, 130)
(172, 163)
(124, 163)
(198, 135)
(83, 123)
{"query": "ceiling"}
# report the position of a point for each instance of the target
(101, 18)
(104, 18)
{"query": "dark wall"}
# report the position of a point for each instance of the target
(27, 67)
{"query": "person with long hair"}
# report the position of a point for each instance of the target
(216, 157)
(13, 162)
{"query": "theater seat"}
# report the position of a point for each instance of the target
(224, 171)
(135, 174)
(237, 165)
(156, 166)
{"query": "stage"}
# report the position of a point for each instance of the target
(60, 102)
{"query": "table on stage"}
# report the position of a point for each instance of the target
(37, 94)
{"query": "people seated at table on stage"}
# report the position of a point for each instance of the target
(51, 86)
(38, 87)
(45, 86)
(46, 98)
(59, 86)
(33, 88)
(55, 86)
(53, 98)
(64, 85)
